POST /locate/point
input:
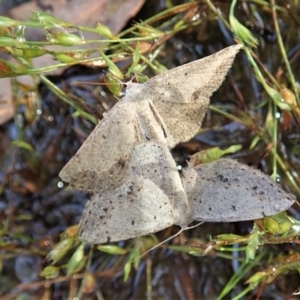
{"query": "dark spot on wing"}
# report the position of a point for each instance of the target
(222, 178)
(122, 163)
(130, 189)
(196, 94)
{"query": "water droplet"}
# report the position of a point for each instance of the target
(20, 120)
(278, 179)
(60, 184)
(196, 17)
(103, 93)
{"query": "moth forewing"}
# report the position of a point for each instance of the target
(182, 95)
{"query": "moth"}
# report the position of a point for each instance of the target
(127, 166)
(167, 109)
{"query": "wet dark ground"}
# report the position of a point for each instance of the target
(35, 209)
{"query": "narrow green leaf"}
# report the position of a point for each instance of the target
(111, 249)
(114, 70)
(23, 145)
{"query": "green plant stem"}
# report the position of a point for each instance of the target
(218, 13)
(239, 275)
(275, 141)
(283, 53)
(59, 93)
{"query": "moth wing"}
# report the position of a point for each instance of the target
(153, 161)
(102, 161)
(136, 208)
(151, 199)
(227, 191)
(181, 95)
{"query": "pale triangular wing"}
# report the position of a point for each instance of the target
(136, 208)
(153, 161)
(181, 95)
(228, 191)
(102, 161)
(151, 199)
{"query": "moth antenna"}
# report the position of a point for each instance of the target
(169, 238)
(194, 226)
(159, 244)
